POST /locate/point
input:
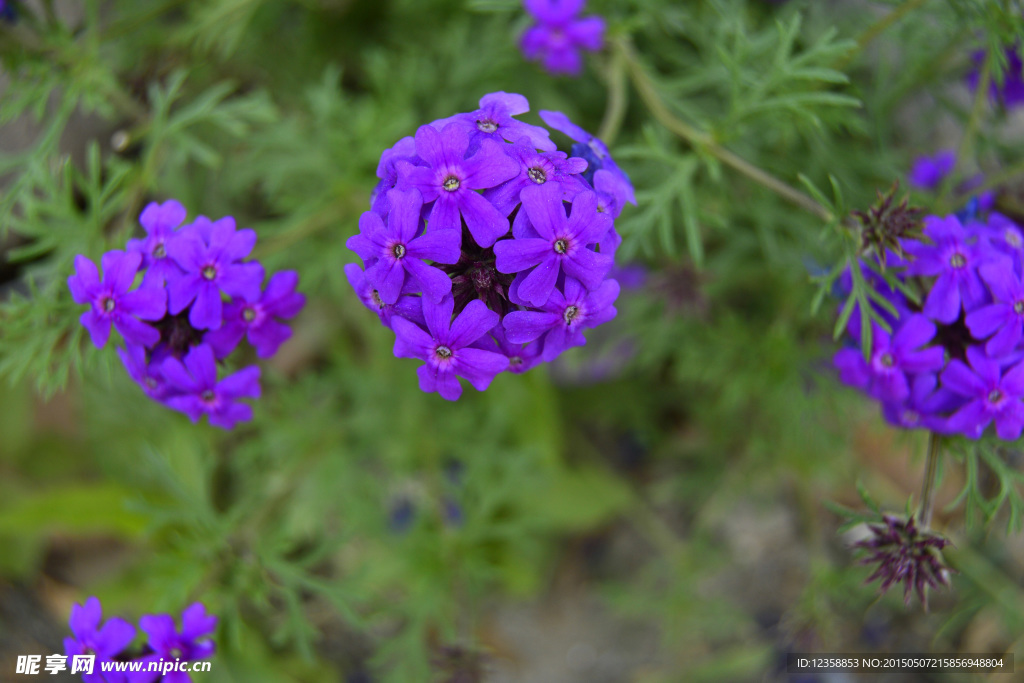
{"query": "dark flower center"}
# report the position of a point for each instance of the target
(151, 383)
(995, 396)
(475, 277)
(176, 652)
(107, 304)
(887, 360)
(177, 333)
(958, 260)
(451, 183)
(209, 272)
(561, 246)
(515, 361)
(911, 417)
(570, 313)
(537, 175)
(159, 251)
(398, 250)
(487, 126)
(248, 315)
(443, 352)
(1012, 238)
(1018, 307)
(375, 295)
(207, 396)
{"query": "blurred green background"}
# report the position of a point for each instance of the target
(650, 509)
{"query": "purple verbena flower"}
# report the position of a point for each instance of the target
(450, 181)
(210, 254)
(563, 318)
(160, 222)
(905, 554)
(885, 375)
(407, 306)
(105, 643)
(190, 644)
(597, 155)
(494, 121)
(145, 370)
(396, 252)
(561, 245)
(446, 346)
(521, 357)
(110, 301)
(538, 168)
(954, 257)
(259, 320)
(1003, 319)
(925, 407)
(200, 392)
(558, 35)
(992, 395)
(387, 171)
(929, 172)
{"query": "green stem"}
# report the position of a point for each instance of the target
(931, 467)
(618, 95)
(879, 27)
(649, 94)
(966, 148)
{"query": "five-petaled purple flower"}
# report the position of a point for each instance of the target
(200, 392)
(396, 252)
(168, 644)
(446, 346)
(450, 181)
(885, 375)
(992, 394)
(110, 301)
(538, 168)
(105, 643)
(1004, 318)
(561, 321)
(494, 121)
(259, 320)
(559, 34)
(954, 257)
(561, 244)
(211, 254)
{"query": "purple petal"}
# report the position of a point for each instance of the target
(943, 303)
(439, 317)
(147, 303)
(410, 340)
(544, 207)
(958, 378)
(85, 282)
(161, 631)
(85, 619)
(135, 332)
(512, 256)
(445, 213)
(483, 219)
(588, 32)
(181, 292)
(240, 245)
(561, 123)
(512, 103)
(268, 337)
(489, 167)
(188, 250)
(537, 285)
(114, 637)
(1010, 421)
(448, 385)
(387, 276)
(98, 326)
(208, 310)
(970, 420)
(435, 283)
(526, 326)
(474, 322)
(1006, 339)
(202, 365)
(479, 366)
(404, 220)
(587, 266)
(987, 319)
(244, 383)
(243, 280)
(442, 246)
(1013, 380)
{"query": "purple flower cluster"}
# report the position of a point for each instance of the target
(905, 554)
(196, 300)
(559, 34)
(929, 172)
(954, 363)
(487, 250)
(164, 641)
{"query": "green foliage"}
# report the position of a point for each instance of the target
(750, 131)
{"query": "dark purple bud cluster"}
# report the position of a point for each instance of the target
(199, 298)
(109, 643)
(486, 249)
(559, 33)
(953, 363)
(905, 554)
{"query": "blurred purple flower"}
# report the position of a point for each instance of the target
(558, 35)
(105, 643)
(260, 320)
(929, 172)
(993, 396)
(200, 392)
(110, 301)
(192, 643)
